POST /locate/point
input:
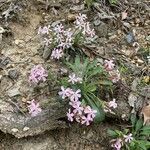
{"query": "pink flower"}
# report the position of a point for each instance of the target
(65, 92)
(59, 28)
(128, 138)
(47, 42)
(44, 30)
(74, 103)
(73, 79)
(85, 120)
(117, 145)
(80, 20)
(112, 104)
(90, 112)
(34, 108)
(114, 76)
(37, 74)
(75, 95)
(109, 65)
(70, 115)
(57, 53)
(78, 109)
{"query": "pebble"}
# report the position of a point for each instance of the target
(26, 128)
(13, 92)
(4, 61)
(130, 38)
(14, 130)
(13, 74)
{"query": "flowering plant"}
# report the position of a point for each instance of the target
(131, 139)
(61, 40)
(81, 87)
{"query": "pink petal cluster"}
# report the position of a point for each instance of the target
(37, 74)
(109, 65)
(63, 39)
(117, 144)
(113, 73)
(74, 79)
(77, 112)
(110, 105)
(44, 30)
(34, 108)
(81, 114)
(57, 53)
(84, 26)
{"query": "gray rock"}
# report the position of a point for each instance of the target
(4, 61)
(22, 125)
(130, 38)
(13, 74)
(46, 53)
(13, 92)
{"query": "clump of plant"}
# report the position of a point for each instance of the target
(63, 40)
(134, 138)
(81, 89)
(12, 10)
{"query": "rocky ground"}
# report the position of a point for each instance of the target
(122, 36)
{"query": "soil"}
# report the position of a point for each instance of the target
(21, 49)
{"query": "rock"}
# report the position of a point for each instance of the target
(26, 125)
(14, 130)
(4, 61)
(130, 38)
(46, 53)
(97, 22)
(13, 92)
(13, 74)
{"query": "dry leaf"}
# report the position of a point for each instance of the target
(146, 113)
(124, 15)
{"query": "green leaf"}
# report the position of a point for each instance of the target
(133, 119)
(147, 127)
(145, 132)
(139, 125)
(106, 82)
(111, 133)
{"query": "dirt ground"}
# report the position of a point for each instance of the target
(20, 43)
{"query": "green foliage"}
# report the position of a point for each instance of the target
(139, 132)
(113, 2)
(89, 3)
(92, 76)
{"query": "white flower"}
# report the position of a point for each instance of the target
(112, 104)
(75, 95)
(128, 138)
(59, 28)
(57, 53)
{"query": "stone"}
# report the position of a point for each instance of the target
(13, 74)
(13, 92)
(4, 61)
(14, 130)
(26, 128)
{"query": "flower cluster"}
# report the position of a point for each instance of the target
(37, 74)
(74, 79)
(34, 108)
(78, 112)
(110, 68)
(118, 143)
(63, 39)
(110, 105)
(82, 24)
